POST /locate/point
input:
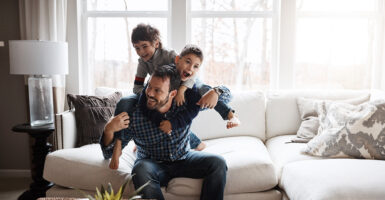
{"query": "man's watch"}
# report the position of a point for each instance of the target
(218, 90)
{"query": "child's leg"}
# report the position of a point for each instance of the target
(114, 163)
(196, 143)
(125, 104)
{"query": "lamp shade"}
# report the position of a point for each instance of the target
(33, 57)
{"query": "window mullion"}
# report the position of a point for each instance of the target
(178, 24)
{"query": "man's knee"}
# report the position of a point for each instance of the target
(218, 163)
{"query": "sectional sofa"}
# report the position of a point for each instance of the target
(262, 162)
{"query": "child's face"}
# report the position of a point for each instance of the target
(188, 66)
(146, 49)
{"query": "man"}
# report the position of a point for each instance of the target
(162, 156)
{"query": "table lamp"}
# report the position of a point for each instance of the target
(39, 59)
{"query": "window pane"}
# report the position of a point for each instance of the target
(232, 5)
(336, 5)
(110, 52)
(132, 5)
(237, 51)
(334, 53)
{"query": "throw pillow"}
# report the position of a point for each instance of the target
(308, 112)
(350, 131)
(91, 115)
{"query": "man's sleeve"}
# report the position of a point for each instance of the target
(184, 118)
(141, 73)
(108, 150)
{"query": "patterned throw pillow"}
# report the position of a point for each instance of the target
(308, 112)
(350, 131)
(91, 114)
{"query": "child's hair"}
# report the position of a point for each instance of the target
(143, 32)
(194, 49)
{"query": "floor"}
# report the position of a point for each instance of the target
(13, 187)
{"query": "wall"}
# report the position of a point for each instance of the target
(14, 147)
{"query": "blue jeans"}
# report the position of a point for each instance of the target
(222, 106)
(212, 168)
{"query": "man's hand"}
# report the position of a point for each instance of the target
(165, 126)
(117, 123)
(209, 100)
(179, 98)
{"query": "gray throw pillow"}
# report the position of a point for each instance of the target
(308, 112)
(91, 114)
(350, 131)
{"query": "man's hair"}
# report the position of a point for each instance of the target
(145, 32)
(166, 71)
(192, 49)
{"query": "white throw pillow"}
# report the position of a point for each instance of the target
(350, 131)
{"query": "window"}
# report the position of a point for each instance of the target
(237, 39)
(248, 44)
(336, 43)
(110, 57)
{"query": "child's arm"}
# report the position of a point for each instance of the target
(185, 117)
(211, 96)
(141, 73)
(179, 98)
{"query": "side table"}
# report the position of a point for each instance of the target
(39, 151)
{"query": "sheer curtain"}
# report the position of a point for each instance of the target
(46, 20)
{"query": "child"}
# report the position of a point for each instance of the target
(146, 41)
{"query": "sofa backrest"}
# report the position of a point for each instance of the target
(250, 108)
(282, 115)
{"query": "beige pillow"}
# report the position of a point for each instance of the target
(350, 131)
(309, 116)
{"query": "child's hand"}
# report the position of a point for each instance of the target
(165, 126)
(209, 100)
(179, 99)
(117, 123)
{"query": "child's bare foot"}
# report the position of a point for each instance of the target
(233, 121)
(200, 147)
(114, 163)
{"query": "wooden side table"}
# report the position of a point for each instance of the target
(39, 151)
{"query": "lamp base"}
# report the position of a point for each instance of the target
(40, 100)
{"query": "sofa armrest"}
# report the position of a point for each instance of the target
(65, 132)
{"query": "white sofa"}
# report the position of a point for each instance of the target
(261, 164)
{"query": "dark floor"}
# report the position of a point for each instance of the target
(13, 187)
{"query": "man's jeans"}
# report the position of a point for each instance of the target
(212, 168)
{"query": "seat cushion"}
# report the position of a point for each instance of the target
(85, 168)
(334, 179)
(250, 168)
(283, 151)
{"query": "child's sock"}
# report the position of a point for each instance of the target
(233, 120)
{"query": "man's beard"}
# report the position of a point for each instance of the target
(158, 104)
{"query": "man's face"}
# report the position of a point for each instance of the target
(188, 66)
(145, 49)
(157, 92)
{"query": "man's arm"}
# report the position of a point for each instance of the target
(117, 123)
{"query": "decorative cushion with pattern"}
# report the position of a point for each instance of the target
(350, 131)
(91, 114)
(308, 112)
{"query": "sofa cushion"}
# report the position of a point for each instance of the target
(283, 151)
(92, 113)
(350, 131)
(250, 168)
(282, 115)
(334, 179)
(250, 108)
